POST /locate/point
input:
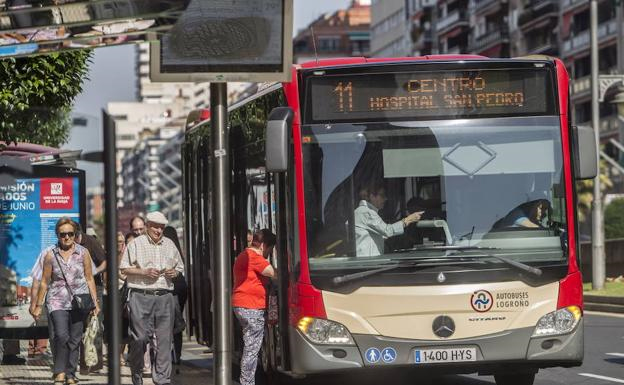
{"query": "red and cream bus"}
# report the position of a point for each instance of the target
(486, 281)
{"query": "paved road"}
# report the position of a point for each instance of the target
(603, 364)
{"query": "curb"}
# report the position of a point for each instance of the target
(603, 303)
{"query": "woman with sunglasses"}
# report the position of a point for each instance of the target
(67, 266)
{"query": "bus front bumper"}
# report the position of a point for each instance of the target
(501, 350)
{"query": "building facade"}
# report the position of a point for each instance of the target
(345, 32)
(510, 28)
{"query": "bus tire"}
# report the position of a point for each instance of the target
(515, 379)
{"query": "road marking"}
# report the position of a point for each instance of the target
(615, 354)
(615, 315)
(612, 379)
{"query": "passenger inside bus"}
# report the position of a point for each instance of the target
(370, 228)
(527, 215)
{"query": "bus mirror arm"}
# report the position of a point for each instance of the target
(586, 166)
(279, 126)
(440, 223)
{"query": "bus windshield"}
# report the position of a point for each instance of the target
(494, 184)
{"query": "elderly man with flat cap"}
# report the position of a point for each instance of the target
(150, 262)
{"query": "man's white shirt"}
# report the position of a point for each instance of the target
(371, 230)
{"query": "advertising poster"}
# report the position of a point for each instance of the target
(29, 210)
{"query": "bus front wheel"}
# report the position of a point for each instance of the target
(515, 379)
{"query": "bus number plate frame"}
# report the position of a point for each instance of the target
(433, 356)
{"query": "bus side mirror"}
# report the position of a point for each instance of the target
(586, 164)
(278, 128)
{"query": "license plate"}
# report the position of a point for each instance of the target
(428, 356)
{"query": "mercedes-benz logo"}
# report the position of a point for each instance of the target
(443, 326)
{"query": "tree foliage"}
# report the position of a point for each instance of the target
(585, 191)
(614, 219)
(36, 95)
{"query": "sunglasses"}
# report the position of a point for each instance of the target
(70, 234)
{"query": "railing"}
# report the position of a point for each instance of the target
(565, 4)
(581, 85)
(453, 17)
(581, 41)
(480, 4)
(537, 11)
(489, 39)
(454, 50)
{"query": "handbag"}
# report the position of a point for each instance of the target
(81, 302)
(124, 292)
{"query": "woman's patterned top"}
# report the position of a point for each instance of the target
(58, 297)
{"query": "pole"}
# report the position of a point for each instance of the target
(221, 233)
(112, 264)
(435, 44)
(598, 255)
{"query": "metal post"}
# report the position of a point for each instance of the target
(112, 264)
(598, 255)
(435, 43)
(221, 233)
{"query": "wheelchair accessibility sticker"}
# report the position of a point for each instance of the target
(388, 355)
(372, 355)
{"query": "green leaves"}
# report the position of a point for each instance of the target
(36, 95)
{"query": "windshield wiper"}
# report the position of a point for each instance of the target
(519, 265)
(420, 262)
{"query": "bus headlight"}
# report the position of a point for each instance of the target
(322, 331)
(561, 321)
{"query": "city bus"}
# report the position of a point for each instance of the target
(484, 278)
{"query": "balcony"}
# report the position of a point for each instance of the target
(566, 5)
(582, 86)
(536, 12)
(539, 42)
(488, 40)
(581, 41)
(454, 19)
(486, 6)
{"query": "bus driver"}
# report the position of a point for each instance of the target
(370, 229)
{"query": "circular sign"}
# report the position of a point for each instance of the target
(481, 301)
(372, 355)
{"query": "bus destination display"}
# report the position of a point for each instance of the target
(429, 95)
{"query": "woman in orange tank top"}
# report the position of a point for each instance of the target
(251, 273)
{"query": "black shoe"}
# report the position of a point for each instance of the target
(137, 378)
(13, 359)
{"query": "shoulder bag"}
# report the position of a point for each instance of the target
(80, 302)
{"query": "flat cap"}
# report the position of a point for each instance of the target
(157, 217)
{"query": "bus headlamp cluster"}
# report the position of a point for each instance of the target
(322, 331)
(561, 321)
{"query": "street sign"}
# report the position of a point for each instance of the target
(221, 40)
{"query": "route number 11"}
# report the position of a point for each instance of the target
(345, 96)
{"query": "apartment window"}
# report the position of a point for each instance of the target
(329, 44)
(125, 137)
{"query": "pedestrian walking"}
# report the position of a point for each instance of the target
(150, 263)
(180, 293)
(98, 255)
(137, 226)
(68, 282)
(39, 346)
(252, 271)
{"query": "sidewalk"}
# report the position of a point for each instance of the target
(603, 303)
(196, 368)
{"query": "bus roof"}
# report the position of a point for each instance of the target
(365, 60)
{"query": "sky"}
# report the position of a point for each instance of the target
(112, 79)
